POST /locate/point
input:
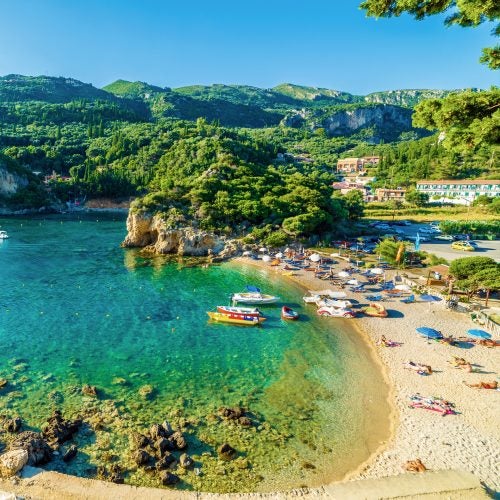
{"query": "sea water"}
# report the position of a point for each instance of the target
(76, 308)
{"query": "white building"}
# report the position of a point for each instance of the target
(462, 192)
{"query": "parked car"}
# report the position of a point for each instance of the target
(403, 223)
(426, 230)
(462, 245)
(444, 237)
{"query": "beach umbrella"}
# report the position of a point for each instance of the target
(343, 274)
(479, 333)
(279, 255)
(377, 270)
(266, 258)
(353, 282)
(263, 249)
(402, 287)
(430, 298)
(430, 333)
(315, 257)
(246, 253)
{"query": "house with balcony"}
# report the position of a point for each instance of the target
(458, 192)
(390, 194)
(346, 186)
(355, 165)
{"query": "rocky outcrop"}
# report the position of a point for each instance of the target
(36, 447)
(10, 182)
(387, 120)
(12, 462)
(152, 234)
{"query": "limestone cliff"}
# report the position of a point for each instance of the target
(151, 233)
(10, 182)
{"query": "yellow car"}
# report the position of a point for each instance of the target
(462, 245)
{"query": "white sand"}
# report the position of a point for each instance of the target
(469, 440)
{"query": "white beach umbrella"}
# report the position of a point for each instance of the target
(266, 258)
(343, 274)
(315, 257)
(263, 249)
(246, 253)
(279, 255)
(353, 282)
(377, 270)
(403, 287)
(337, 295)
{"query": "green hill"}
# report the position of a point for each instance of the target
(124, 88)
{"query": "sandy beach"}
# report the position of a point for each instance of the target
(469, 440)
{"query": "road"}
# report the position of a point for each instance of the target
(485, 248)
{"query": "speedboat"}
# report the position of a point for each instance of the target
(335, 312)
(254, 296)
(289, 313)
(239, 311)
(311, 299)
(3, 235)
(235, 319)
(376, 310)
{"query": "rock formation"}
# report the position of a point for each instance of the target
(152, 234)
(12, 462)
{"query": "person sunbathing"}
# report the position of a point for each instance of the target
(388, 343)
(448, 340)
(484, 385)
(415, 466)
(457, 362)
(488, 342)
(418, 367)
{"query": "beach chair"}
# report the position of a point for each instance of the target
(409, 300)
(375, 298)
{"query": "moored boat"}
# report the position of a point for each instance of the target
(253, 296)
(289, 314)
(239, 311)
(376, 310)
(236, 319)
(3, 235)
(335, 312)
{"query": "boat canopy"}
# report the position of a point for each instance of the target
(252, 288)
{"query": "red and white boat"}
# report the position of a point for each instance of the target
(334, 312)
(289, 314)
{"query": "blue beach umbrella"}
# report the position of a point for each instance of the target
(430, 298)
(430, 333)
(479, 333)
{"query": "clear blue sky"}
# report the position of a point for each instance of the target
(323, 43)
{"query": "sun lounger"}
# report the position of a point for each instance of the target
(374, 298)
(409, 300)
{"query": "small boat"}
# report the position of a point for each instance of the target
(335, 312)
(236, 319)
(376, 310)
(3, 235)
(239, 311)
(339, 304)
(311, 299)
(254, 296)
(289, 313)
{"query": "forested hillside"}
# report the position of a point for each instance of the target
(216, 154)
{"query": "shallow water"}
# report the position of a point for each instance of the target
(75, 309)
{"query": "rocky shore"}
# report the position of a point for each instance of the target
(151, 233)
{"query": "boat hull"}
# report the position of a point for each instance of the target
(239, 311)
(289, 314)
(254, 298)
(375, 310)
(235, 319)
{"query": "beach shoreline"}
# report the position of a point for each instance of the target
(469, 440)
(307, 282)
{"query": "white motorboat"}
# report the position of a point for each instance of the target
(253, 296)
(311, 299)
(239, 311)
(3, 235)
(334, 312)
(339, 304)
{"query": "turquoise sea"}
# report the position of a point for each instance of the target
(76, 309)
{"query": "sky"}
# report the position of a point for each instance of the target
(320, 43)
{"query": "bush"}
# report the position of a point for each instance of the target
(276, 239)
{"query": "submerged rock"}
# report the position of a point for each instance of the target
(139, 440)
(12, 462)
(142, 457)
(38, 450)
(186, 461)
(226, 452)
(146, 391)
(13, 424)
(3, 382)
(89, 390)
(165, 462)
(70, 453)
(178, 440)
(168, 479)
(58, 430)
